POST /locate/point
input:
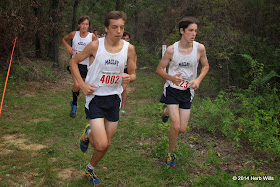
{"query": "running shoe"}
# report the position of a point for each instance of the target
(84, 140)
(92, 177)
(164, 117)
(73, 110)
(171, 160)
(123, 112)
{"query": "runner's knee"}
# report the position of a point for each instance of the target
(76, 85)
(183, 127)
(175, 126)
(101, 146)
(181, 131)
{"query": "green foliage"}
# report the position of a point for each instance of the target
(264, 69)
(161, 148)
(144, 57)
(243, 116)
(173, 37)
(34, 71)
(131, 159)
(217, 116)
(213, 158)
(259, 123)
(260, 79)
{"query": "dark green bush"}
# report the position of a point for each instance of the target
(245, 117)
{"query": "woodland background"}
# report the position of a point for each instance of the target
(242, 38)
(228, 29)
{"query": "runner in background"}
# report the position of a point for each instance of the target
(103, 87)
(126, 37)
(95, 32)
(79, 39)
(181, 80)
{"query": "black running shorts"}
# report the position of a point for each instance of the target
(125, 70)
(82, 68)
(104, 107)
(175, 96)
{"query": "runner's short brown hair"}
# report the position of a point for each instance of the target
(83, 18)
(114, 15)
(186, 21)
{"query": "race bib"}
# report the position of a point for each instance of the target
(76, 51)
(109, 78)
(182, 86)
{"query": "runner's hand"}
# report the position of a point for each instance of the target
(125, 80)
(194, 84)
(70, 50)
(177, 79)
(88, 89)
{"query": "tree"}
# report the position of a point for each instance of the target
(118, 4)
(54, 20)
(35, 5)
(75, 9)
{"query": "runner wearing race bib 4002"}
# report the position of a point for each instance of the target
(103, 86)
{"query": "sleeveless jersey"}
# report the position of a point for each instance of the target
(185, 64)
(78, 44)
(106, 70)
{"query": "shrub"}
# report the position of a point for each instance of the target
(243, 116)
(259, 122)
(216, 116)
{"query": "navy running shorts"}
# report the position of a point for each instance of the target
(125, 70)
(82, 68)
(178, 97)
(104, 107)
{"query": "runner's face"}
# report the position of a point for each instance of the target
(115, 29)
(84, 26)
(126, 38)
(189, 33)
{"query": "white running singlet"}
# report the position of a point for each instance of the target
(106, 70)
(78, 44)
(185, 64)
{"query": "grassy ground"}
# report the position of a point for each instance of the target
(39, 143)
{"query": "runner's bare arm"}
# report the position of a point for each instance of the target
(88, 89)
(167, 57)
(65, 43)
(93, 37)
(131, 62)
(205, 67)
(131, 66)
(135, 61)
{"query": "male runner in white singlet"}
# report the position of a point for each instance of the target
(181, 80)
(103, 86)
(79, 41)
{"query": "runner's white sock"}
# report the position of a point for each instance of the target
(90, 166)
(164, 111)
(88, 131)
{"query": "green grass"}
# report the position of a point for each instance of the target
(40, 115)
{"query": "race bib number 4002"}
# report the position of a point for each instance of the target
(109, 78)
(182, 86)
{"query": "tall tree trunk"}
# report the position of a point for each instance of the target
(92, 6)
(136, 31)
(118, 4)
(54, 9)
(37, 36)
(74, 20)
